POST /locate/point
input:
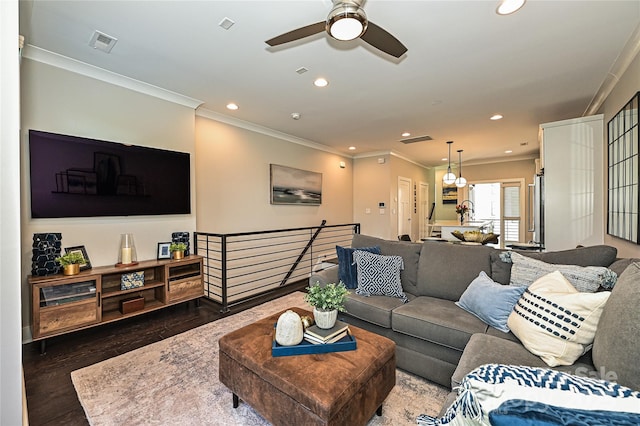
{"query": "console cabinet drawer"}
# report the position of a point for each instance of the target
(186, 289)
(58, 318)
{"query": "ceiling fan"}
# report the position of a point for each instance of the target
(347, 21)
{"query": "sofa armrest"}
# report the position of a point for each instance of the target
(324, 277)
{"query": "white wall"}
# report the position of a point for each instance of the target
(11, 352)
(627, 86)
(232, 171)
(376, 181)
(59, 101)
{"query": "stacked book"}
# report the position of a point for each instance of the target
(320, 336)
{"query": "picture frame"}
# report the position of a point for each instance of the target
(295, 186)
(449, 194)
(163, 250)
(83, 251)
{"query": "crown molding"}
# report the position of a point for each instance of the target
(392, 154)
(247, 125)
(491, 161)
(59, 61)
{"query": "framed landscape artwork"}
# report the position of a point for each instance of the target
(449, 194)
(295, 186)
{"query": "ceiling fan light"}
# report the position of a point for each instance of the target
(346, 22)
(507, 7)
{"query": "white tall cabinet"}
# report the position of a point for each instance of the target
(572, 158)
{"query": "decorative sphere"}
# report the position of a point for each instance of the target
(289, 330)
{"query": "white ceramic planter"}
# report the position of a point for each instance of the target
(325, 319)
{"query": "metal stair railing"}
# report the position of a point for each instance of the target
(242, 266)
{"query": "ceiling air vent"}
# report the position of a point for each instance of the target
(417, 139)
(102, 41)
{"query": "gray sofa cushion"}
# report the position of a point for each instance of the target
(615, 347)
(436, 320)
(600, 255)
(446, 270)
(495, 332)
(621, 264)
(486, 349)
(373, 309)
(410, 253)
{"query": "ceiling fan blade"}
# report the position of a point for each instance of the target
(302, 32)
(382, 40)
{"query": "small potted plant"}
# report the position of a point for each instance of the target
(177, 250)
(71, 262)
(326, 301)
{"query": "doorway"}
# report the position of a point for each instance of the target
(424, 209)
(502, 203)
(404, 206)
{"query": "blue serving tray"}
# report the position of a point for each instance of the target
(347, 343)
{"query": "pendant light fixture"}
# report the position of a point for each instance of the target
(460, 182)
(449, 177)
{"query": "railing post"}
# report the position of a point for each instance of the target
(223, 262)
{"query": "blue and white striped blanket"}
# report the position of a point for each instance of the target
(534, 394)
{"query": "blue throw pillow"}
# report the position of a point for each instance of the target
(490, 301)
(347, 269)
(518, 412)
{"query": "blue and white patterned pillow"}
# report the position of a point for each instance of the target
(555, 321)
(379, 275)
(488, 387)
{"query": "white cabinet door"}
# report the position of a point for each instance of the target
(573, 172)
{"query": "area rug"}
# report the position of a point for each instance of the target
(175, 382)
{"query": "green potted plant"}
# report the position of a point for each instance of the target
(326, 301)
(177, 250)
(71, 262)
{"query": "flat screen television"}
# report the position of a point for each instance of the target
(80, 177)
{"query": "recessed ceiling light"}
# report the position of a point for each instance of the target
(507, 7)
(445, 159)
(232, 106)
(405, 134)
(352, 148)
(496, 117)
(321, 82)
(508, 151)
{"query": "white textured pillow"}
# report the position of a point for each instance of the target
(586, 279)
(379, 275)
(555, 321)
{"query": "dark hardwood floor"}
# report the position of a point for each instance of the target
(51, 397)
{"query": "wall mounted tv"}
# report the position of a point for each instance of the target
(79, 177)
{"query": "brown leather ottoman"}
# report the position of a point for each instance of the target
(339, 388)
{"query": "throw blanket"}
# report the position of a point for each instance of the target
(497, 394)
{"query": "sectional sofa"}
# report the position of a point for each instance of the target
(438, 340)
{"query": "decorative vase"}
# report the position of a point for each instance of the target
(325, 319)
(177, 255)
(72, 269)
(289, 330)
(462, 219)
